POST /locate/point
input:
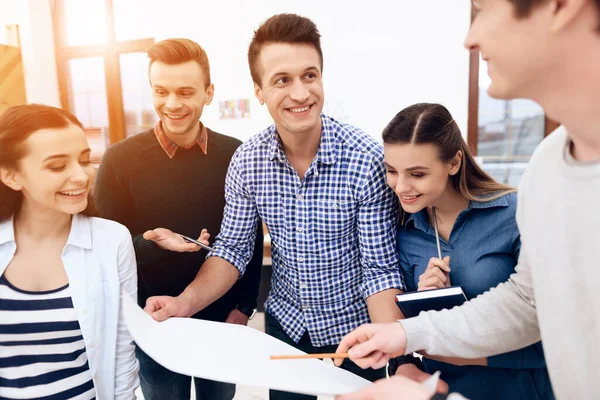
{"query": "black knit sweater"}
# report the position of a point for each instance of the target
(139, 186)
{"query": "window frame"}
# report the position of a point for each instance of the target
(109, 51)
(473, 107)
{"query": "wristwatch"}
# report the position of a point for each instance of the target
(247, 311)
(396, 362)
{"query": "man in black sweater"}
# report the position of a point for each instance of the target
(172, 178)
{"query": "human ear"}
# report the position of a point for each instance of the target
(210, 93)
(563, 12)
(455, 163)
(258, 94)
(9, 177)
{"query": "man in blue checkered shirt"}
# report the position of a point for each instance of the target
(319, 186)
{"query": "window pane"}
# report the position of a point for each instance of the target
(509, 131)
(137, 95)
(87, 97)
(85, 22)
(128, 26)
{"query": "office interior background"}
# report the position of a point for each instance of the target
(87, 56)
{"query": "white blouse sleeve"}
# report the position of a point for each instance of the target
(126, 364)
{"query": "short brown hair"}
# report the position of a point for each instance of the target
(523, 7)
(283, 28)
(16, 125)
(178, 51)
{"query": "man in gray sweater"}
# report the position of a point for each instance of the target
(547, 51)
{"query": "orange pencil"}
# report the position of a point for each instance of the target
(316, 355)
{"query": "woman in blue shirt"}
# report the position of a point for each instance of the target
(430, 166)
(62, 271)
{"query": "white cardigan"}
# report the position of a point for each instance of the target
(100, 264)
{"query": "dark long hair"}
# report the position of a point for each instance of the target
(427, 123)
(16, 125)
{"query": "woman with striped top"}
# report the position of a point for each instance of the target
(62, 271)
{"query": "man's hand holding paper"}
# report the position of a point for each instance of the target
(164, 307)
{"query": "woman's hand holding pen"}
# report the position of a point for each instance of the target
(437, 274)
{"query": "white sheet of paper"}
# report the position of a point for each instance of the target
(233, 353)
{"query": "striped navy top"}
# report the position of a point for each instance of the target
(42, 352)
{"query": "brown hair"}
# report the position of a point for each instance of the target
(283, 28)
(426, 123)
(523, 7)
(178, 51)
(16, 125)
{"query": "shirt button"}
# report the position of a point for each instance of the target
(299, 197)
(334, 205)
(92, 345)
(300, 230)
(84, 312)
(303, 286)
(305, 307)
(300, 259)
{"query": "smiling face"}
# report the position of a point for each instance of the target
(417, 175)
(179, 94)
(291, 87)
(55, 174)
(518, 50)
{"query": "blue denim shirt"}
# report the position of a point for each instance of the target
(484, 246)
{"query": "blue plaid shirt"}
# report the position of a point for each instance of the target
(332, 234)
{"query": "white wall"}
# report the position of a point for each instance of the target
(37, 47)
(11, 12)
(379, 55)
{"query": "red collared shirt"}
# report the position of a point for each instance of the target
(170, 147)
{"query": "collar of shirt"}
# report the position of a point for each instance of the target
(420, 220)
(99, 261)
(170, 147)
(328, 148)
(79, 236)
(7, 231)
